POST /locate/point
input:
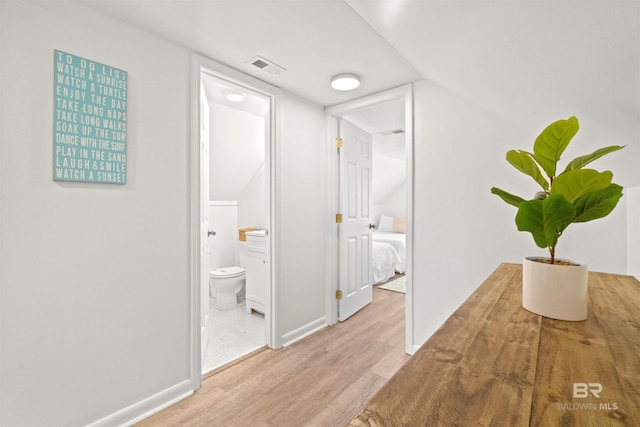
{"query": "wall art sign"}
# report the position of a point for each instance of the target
(89, 121)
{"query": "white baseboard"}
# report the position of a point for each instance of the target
(306, 330)
(147, 407)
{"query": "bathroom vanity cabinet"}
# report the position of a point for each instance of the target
(256, 280)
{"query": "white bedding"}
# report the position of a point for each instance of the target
(399, 243)
(385, 261)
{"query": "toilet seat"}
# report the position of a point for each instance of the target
(227, 272)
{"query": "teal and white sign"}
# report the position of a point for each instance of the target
(89, 121)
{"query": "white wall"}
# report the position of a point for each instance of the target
(223, 246)
(95, 278)
(633, 231)
(395, 205)
(389, 186)
(300, 213)
(237, 157)
(94, 284)
(462, 232)
(251, 203)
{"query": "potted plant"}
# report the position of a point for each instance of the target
(553, 287)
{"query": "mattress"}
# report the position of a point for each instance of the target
(385, 262)
(399, 243)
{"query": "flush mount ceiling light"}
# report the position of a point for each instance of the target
(345, 81)
(235, 96)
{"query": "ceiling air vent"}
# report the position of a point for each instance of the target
(266, 65)
(391, 132)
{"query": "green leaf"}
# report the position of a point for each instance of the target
(552, 142)
(507, 197)
(545, 219)
(577, 183)
(597, 204)
(526, 164)
(581, 161)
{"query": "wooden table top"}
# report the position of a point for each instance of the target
(495, 363)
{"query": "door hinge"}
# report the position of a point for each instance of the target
(339, 218)
(338, 294)
(339, 142)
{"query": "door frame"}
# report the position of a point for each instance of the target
(333, 114)
(202, 65)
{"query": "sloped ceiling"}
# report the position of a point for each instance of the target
(237, 142)
(528, 62)
(523, 59)
(379, 120)
(389, 150)
(313, 40)
(389, 177)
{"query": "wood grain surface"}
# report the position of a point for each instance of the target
(493, 363)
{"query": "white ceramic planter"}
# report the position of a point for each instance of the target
(555, 291)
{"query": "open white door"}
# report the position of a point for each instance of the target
(355, 242)
(204, 223)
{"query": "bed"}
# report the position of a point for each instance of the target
(389, 249)
(385, 262)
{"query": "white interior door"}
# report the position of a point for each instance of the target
(204, 222)
(355, 259)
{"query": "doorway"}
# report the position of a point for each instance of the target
(388, 120)
(232, 208)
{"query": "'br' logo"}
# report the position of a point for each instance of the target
(582, 390)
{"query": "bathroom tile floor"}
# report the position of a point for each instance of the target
(232, 334)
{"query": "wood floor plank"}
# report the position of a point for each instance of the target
(321, 380)
(350, 401)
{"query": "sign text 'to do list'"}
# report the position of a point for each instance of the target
(89, 121)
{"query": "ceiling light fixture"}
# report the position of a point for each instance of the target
(345, 81)
(235, 96)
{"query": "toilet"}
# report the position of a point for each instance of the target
(227, 257)
(228, 285)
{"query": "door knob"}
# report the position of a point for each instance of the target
(373, 226)
(211, 233)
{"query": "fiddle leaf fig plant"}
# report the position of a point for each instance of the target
(573, 195)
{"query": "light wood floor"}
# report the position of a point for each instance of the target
(322, 380)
